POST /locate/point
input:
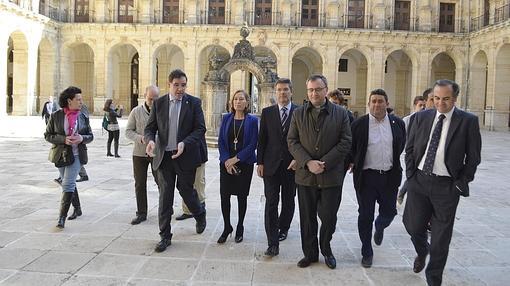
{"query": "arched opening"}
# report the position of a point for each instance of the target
(122, 77)
(203, 64)
(17, 75)
(80, 73)
(443, 67)
(477, 95)
(166, 58)
(398, 82)
(45, 73)
(352, 80)
(305, 62)
(501, 89)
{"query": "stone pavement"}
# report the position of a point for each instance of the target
(102, 248)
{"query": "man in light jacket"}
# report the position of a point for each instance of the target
(134, 131)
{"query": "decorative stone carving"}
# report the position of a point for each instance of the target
(243, 49)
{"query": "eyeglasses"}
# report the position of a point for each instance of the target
(317, 89)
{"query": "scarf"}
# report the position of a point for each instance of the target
(72, 117)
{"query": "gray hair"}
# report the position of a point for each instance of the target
(153, 88)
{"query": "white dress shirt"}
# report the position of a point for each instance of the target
(380, 144)
(439, 164)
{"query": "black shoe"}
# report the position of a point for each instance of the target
(117, 156)
(239, 233)
(378, 237)
(163, 244)
(305, 262)
(109, 155)
(83, 179)
(58, 181)
(272, 251)
(282, 235)
(330, 261)
(419, 263)
(138, 219)
(183, 216)
(201, 223)
(366, 261)
(226, 232)
(61, 222)
(65, 204)
(76, 213)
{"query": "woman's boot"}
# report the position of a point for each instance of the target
(65, 203)
(76, 205)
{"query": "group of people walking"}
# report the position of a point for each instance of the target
(307, 149)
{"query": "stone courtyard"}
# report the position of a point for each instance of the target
(103, 248)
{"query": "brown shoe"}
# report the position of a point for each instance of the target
(419, 263)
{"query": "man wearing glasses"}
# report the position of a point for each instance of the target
(319, 139)
(178, 119)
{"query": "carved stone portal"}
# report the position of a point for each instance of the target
(217, 80)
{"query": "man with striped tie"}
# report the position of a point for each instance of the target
(276, 165)
(442, 154)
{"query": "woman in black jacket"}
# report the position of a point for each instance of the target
(69, 130)
(112, 114)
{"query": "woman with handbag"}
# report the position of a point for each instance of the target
(237, 142)
(112, 114)
(69, 130)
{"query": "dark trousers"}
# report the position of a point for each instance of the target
(434, 199)
(403, 191)
(285, 179)
(113, 136)
(323, 202)
(140, 165)
(375, 187)
(83, 172)
(168, 173)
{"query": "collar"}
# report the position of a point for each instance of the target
(326, 106)
(288, 106)
(171, 97)
(375, 120)
(146, 106)
(448, 115)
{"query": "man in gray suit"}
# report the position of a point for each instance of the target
(178, 119)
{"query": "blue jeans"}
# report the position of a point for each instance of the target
(68, 175)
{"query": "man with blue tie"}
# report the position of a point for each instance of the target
(178, 119)
(276, 165)
(442, 154)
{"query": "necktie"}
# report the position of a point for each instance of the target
(173, 125)
(284, 115)
(428, 166)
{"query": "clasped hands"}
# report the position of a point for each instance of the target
(316, 166)
(73, 139)
(230, 163)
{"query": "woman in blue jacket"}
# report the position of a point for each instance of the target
(237, 142)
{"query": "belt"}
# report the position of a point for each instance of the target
(432, 174)
(380, 172)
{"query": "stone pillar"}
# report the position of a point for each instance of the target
(46, 75)
(376, 70)
(379, 16)
(491, 89)
(100, 11)
(33, 53)
(421, 72)
(239, 12)
(361, 99)
(214, 103)
(145, 12)
(329, 67)
(191, 57)
(284, 63)
(425, 16)
(266, 93)
(20, 78)
(3, 67)
(101, 76)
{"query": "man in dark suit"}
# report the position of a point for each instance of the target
(48, 108)
(378, 139)
(276, 165)
(178, 120)
(442, 154)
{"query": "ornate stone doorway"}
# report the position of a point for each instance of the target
(216, 83)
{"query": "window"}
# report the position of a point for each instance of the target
(216, 12)
(342, 65)
(171, 11)
(356, 14)
(126, 11)
(402, 15)
(447, 17)
(309, 13)
(81, 11)
(263, 10)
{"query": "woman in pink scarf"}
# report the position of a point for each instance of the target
(69, 127)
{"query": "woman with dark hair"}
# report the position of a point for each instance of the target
(112, 114)
(69, 130)
(237, 142)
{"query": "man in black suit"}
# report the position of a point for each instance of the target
(178, 120)
(49, 107)
(378, 139)
(442, 154)
(276, 165)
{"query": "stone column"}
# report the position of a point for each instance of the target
(329, 67)
(491, 88)
(425, 16)
(214, 102)
(421, 72)
(101, 76)
(20, 78)
(3, 67)
(376, 70)
(191, 57)
(284, 63)
(100, 11)
(379, 16)
(33, 49)
(266, 93)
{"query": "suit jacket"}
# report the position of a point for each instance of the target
(250, 134)
(190, 130)
(327, 140)
(272, 149)
(56, 135)
(360, 129)
(462, 149)
(44, 111)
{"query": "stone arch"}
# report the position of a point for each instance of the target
(166, 58)
(79, 65)
(354, 80)
(120, 83)
(305, 62)
(398, 81)
(501, 105)
(46, 66)
(442, 66)
(477, 94)
(203, 64)
(17, 74)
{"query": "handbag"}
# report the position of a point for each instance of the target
(66, 157)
